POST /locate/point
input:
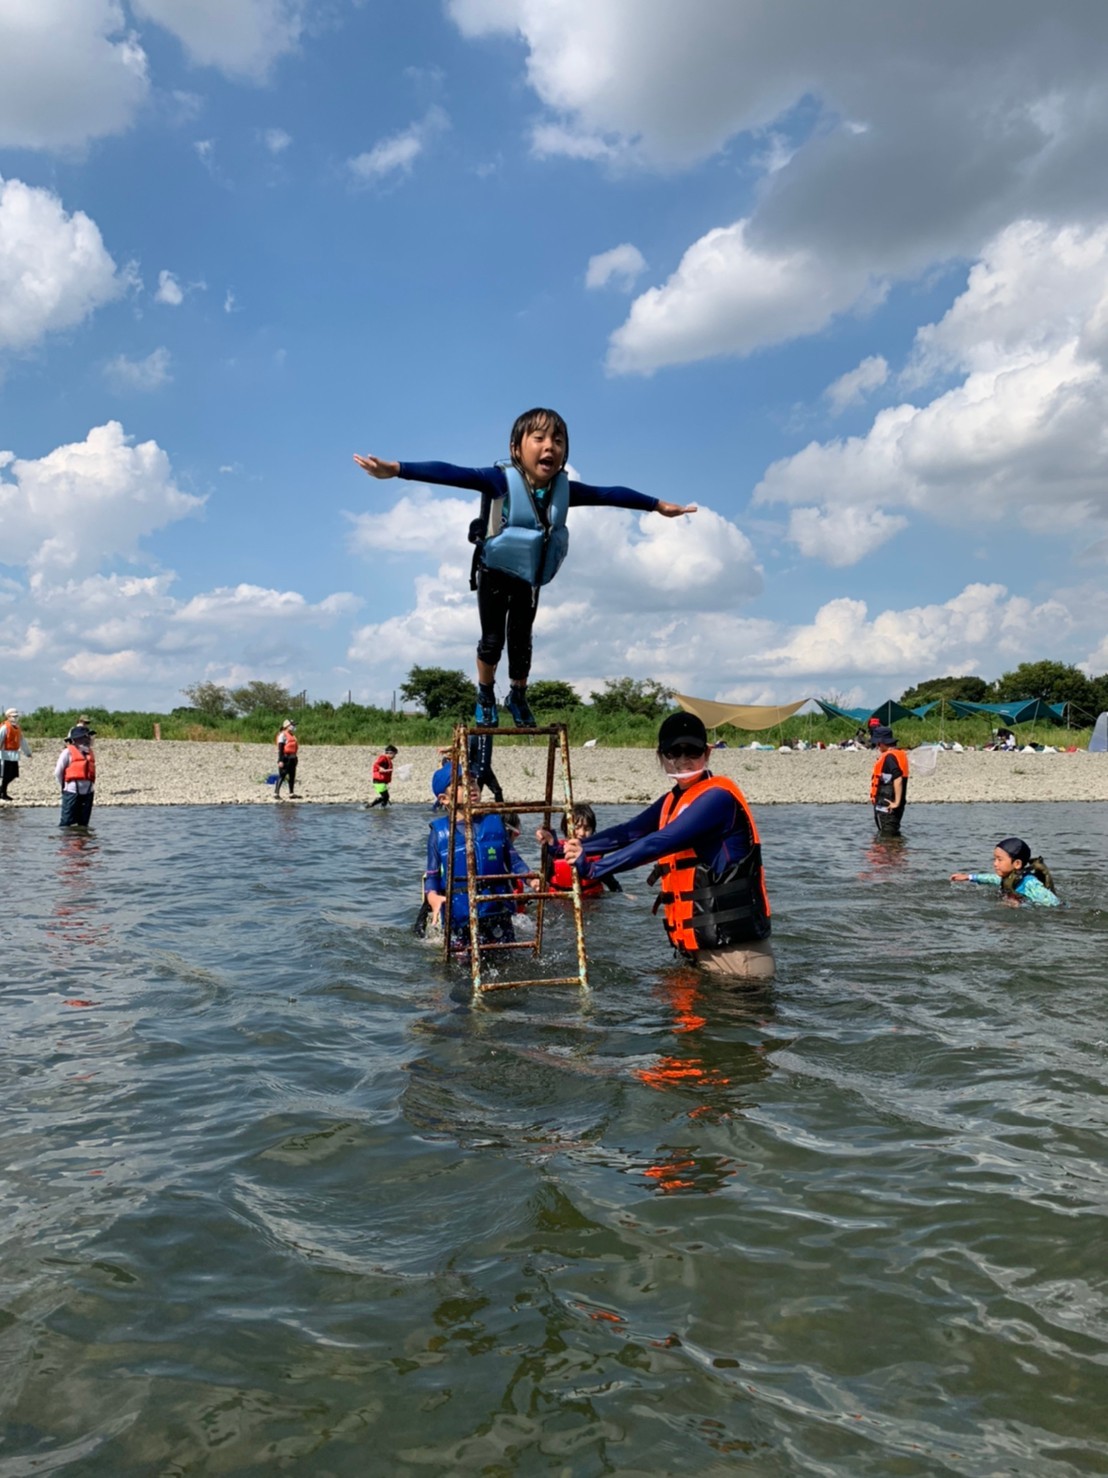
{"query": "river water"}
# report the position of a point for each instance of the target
(277, 1197)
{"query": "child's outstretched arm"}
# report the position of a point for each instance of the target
(377, 466)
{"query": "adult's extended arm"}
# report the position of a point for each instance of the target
(701, 826)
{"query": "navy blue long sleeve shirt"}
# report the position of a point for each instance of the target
(491, 482)
(714, 826)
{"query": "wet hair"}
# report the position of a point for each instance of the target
(1018, 850)
(538, 419)
(510, 820)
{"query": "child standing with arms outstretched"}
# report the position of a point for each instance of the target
(1018, 875)
(521, 540)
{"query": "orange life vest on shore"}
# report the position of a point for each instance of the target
(702, 911)
(82, 764)
(13, 739)
(290, 745)
(382, 770)
(875, 784)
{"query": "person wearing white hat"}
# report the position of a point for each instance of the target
(12, 745)
(288, 750)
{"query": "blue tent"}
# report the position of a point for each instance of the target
(886, 713)
(1015, 711)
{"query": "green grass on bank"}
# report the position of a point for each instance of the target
(351, 723)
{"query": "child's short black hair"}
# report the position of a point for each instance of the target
(537, 419)
(582, 815)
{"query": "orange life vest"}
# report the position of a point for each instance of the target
(382, 770)
(13, 739)
(886, 789)
(290, 745)
(703, 911)
(82, 764)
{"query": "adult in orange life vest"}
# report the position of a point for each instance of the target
(75, 772)
(382, 776)
(704, 843)
(12, 745)
(888, 786)
(288, 748)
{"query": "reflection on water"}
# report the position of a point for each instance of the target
(278, 1196)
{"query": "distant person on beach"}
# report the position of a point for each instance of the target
(581, 825)
(493, 855)
(13, 745)
(703, 841)
(1020, 877)
(75, 772)
(888, 787)
(382, 775)
(288, 754)
(520, 541)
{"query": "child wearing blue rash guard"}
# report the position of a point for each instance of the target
(1019, 876)
(495, 858)
(521, 540)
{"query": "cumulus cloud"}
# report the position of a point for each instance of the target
(1020, 436)
(855, 385)
(86, 502)
(69, 72)
(398, 153)
(276, 140)
(728, 296)
(635, 591)
(242, 38)
(892, 147)
(404, 529)
(54, 268)
(623, 264)
(841, 536)
(169, 290)
(146, 374)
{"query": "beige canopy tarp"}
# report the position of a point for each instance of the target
(743, 716)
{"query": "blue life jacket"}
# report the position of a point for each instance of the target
(490, 846)
(532, 540)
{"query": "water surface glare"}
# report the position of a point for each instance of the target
(278, 1197)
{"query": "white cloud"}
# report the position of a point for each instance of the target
(84, 503)
(251, 606)
(69, 72)
(144, 375)
(399, 152)
(841, 536)
(851, 388)
(276, 140)
(729, 297)
(242, 38)
(417, 523)
(623, 264)
(891, 147)
(635, 590)
(1021, 436)
(54, 269)
(169, 290)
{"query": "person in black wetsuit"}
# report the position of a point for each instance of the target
(530, 496)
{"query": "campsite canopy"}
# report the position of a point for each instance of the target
(1015, 711)
(886, 713)
(741, 715)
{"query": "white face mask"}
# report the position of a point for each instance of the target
(674, 773)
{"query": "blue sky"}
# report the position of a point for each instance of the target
(837, 274)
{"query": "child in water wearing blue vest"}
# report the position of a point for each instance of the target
(521, 540)
(1019, 876)
(495, 858)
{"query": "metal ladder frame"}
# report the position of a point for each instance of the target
(557, 746)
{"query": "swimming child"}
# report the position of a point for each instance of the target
(581, 825)
(520, 541)
(1017, 874)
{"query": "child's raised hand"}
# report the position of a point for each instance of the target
(544, 835)
(673, 510)
(377, 467)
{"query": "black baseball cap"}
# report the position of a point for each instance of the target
(682, 726)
